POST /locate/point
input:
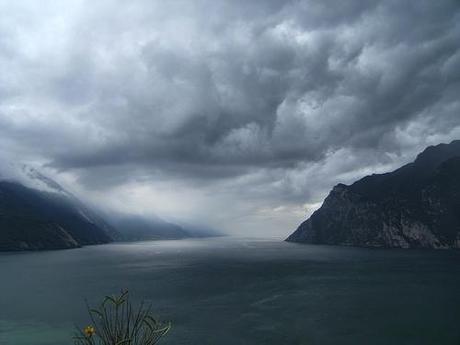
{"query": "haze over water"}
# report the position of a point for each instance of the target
(240, 291)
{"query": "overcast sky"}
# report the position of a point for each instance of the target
(237, 114)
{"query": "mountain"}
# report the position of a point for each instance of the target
(200, 231)
(36, 213)
(415, 206)
(138, 228)
(143, 228)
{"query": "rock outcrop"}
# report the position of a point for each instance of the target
(416, 206)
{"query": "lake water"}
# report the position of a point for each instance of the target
(226, 291)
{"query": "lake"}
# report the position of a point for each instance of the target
(224, 291)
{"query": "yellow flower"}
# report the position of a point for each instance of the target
(89, 331)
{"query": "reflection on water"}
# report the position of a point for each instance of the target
(240, 291)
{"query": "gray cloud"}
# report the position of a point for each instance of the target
(264, 104)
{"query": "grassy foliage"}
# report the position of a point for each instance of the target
(117, 322)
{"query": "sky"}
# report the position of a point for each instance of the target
(238, 115)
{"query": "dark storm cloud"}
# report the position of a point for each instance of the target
(269, 91)
(267, 97)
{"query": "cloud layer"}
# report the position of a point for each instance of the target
(242, 114)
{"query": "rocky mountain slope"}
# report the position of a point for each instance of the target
(415, 206)
(36, 213)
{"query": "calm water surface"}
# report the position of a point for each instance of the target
(240, 291)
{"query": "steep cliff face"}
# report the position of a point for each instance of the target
(416, 206)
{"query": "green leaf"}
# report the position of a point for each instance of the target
(95, 311)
